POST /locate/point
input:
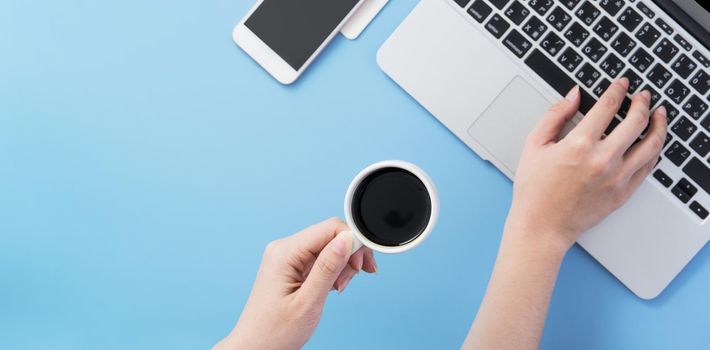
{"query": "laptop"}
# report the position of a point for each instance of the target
(488, 69)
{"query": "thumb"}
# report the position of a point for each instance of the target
(330, 263)
(554, 120)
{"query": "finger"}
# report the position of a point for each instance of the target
(631, 127)
(315, 237)
(549, 128)
(648, 149)
(356, 259)
(369, 264)
(331, 261)
(344, 279)
(598, 118)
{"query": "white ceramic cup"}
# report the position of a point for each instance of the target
(359, 239)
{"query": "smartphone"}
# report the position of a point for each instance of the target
(285, 36)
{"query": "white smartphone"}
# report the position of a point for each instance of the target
(284, 36)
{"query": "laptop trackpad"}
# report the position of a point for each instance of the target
(502, 128)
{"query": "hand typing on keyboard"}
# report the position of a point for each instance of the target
(586, 175)
(563, 187)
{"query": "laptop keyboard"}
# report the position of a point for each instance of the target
(590, 43)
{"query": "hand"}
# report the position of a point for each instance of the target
(565, 187)
(292, 284)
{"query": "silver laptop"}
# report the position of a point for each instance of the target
(488, 69)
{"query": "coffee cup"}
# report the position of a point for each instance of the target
(391, 207)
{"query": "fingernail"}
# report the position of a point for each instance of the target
(646, 95)
(358, 263)
(341, 244)
(624, 81)
(662, 110)
(374, 266)
(572, 94)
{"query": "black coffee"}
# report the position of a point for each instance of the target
(391, 207)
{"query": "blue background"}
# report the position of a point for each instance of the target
(145, 161)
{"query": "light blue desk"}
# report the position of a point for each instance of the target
(145, 162)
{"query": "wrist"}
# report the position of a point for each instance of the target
(545, 239)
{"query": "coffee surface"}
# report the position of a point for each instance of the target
(391, 207)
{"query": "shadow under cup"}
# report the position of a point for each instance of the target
(391, 207)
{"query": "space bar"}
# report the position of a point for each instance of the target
(557, 78)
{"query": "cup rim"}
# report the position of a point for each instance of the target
(428, 184)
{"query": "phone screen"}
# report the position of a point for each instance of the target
(295, 29)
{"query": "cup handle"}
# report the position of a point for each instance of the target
(356, 244)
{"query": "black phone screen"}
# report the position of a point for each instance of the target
(295, 29)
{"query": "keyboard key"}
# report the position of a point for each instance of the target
(699, 210)
(624, 108)
(569, 59)
(612, 65)
(549, 72)
(698, 172)
(605, 28)
(704, 61)
(541, 6)
(671, 111)
(552, 43)
(630, 19)
(700, 82)
(695, 107)
(665, 50)
(570, 4)
(558, 18)
(612, 125)
(601, 87)
(680, 194)
(462, 3)
(684, 128)
(683, 66)
(701, 144)
(588, 75)
(664, 179)
(635, 81)
(499, 3)
(684, 190)
(497, 26)
(587, 13)
(706, 123)
(576, 34)
(664, 26)
(687, 187)
(586, 101)
(645, 10)
(669, 137)
(612, 7)
(677, 154)
(682, 42)
(655, 96)
(623, 44)
(517, 12)
(534, 28)
(517, 43)
(648, 35)
(479, 10)
(659, 76)
(594, 49)
(641, 60)
(676, 91)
